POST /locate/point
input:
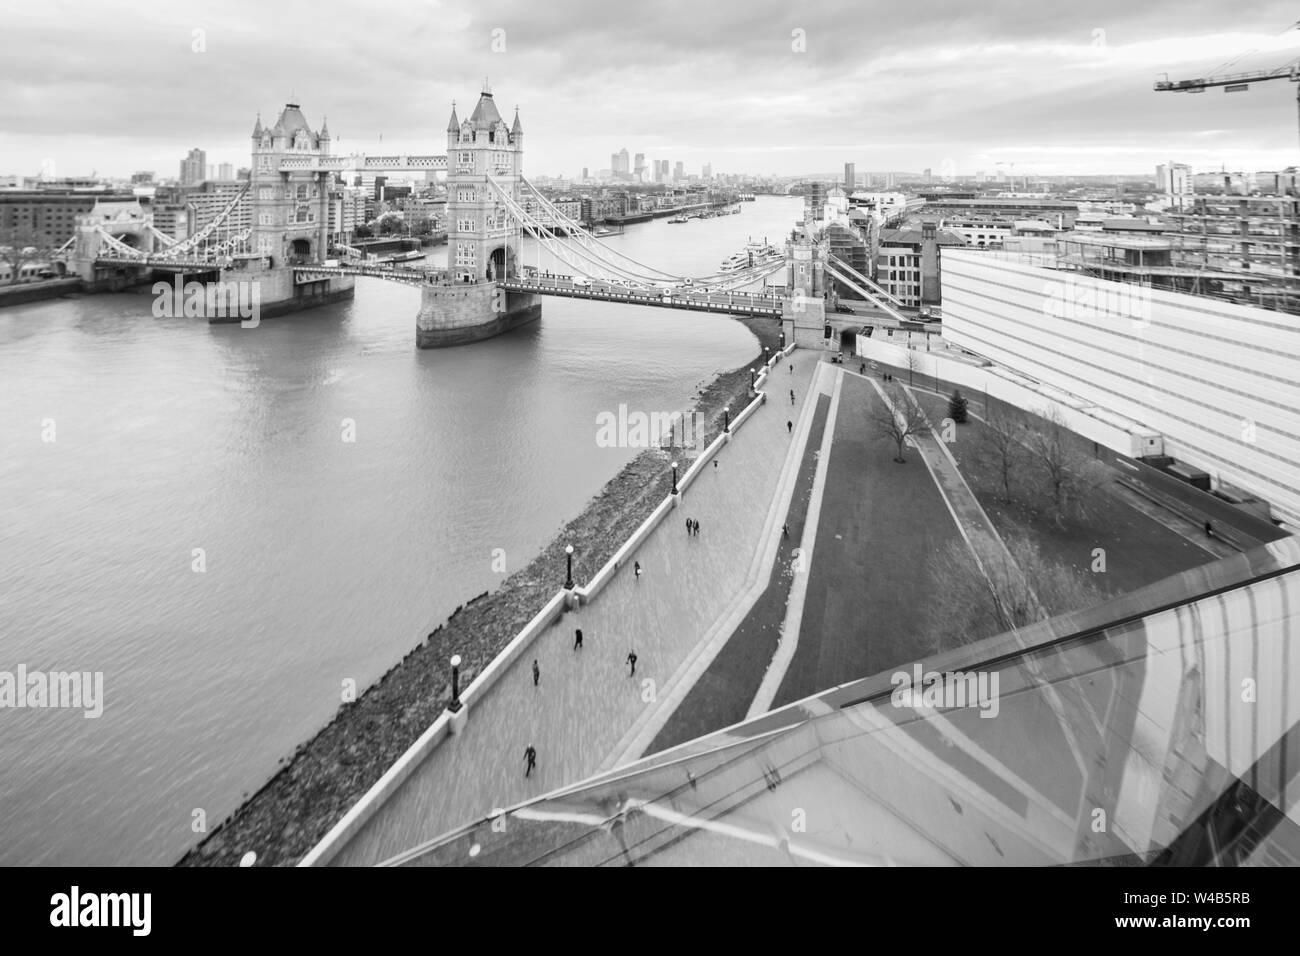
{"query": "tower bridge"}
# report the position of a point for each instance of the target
(275, 232)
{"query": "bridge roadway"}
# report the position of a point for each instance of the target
(168, 262)
(735, 303)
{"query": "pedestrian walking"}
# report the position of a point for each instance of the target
(862, 369)
(785, 531)
(577, 638)
(636, 569)
(688, 527)
(537, 673)
(715, 463)
(792, 396)
(530, 755)
(697, 527)
(791, 369)
(1209, 530)
(789, 427)
(631, 659)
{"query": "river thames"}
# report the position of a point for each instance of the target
(178, 446)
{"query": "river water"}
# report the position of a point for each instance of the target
(135, 451)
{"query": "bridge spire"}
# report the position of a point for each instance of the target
(487, 87)
(453, 124)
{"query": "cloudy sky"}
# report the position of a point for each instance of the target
(755, 86)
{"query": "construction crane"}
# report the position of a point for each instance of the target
(1233, 82)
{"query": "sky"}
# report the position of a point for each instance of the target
(759, 86)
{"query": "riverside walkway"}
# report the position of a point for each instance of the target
(587, 713)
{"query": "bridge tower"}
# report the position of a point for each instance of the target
(289, 190)
(482, 238)
(288, 196)
(804, 309)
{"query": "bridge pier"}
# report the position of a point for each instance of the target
(461, 313)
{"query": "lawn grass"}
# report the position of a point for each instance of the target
(1138, 550)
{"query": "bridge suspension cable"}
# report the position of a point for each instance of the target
(863, 280)
(607, 261)
(575, 229)
(587, 240)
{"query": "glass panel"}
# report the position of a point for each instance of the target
(1159, 728)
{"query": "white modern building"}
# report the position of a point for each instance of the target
(1220, 382)
(1174, 181)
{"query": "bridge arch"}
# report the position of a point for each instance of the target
(501, 263)
(300, 249)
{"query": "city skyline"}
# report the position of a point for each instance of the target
(789, 91)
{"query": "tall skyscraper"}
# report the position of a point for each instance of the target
(194, 168)
(679, 170)
(928, 176)
(639, 170)
(584, 172)
(613, 163)
(850, 178)
(708, 170)
(225, 171)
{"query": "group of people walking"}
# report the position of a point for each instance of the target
(530, 752)
(693, 531)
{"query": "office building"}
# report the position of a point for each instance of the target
(1218, 381)
(194, 168)
(49, 216)
(1174, 181)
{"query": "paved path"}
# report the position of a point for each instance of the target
(587, 713)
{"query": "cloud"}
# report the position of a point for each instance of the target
(118, 85)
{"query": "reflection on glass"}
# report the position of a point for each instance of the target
(1159, 728)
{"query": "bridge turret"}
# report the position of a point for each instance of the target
(324, 137)
(257, 131)
(288, 191)
(484, 161)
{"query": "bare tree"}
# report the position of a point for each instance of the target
(1072, 478)
(1002, 447)
(898, 420)
(1017, 589)
(913, 363)
(20, 245)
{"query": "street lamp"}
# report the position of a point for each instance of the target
(726, 418)
(568, 581)
(674, 477)
(455, 684)
(751, 378)
(783, 340)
